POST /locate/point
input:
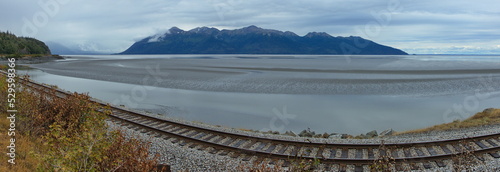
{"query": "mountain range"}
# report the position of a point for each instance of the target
(255, 40)
(57, 48)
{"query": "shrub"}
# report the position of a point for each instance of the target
(73, 135)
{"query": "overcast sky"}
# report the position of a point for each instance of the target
(415, 26)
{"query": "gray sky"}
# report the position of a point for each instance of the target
(415, 26)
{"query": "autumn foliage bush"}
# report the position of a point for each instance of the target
(72, 135)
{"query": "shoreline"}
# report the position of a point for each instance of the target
(458, 133)
(31, 59)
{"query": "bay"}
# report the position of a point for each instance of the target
(343, 94)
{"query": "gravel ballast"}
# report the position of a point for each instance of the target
(183, 157)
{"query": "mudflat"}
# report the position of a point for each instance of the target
(377, 75)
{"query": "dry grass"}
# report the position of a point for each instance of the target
(487, 117)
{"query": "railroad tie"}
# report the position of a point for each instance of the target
(142, 130)
(491, 142)
(149, 122)
(176, 129)
(286, 163)
(271, 148)
(401, 166)
(319, 153)
(345, 153)
(445, 149)
(158, 135)
(160, 125)
(480, 144)
(427, 165)
(249, 144)
(440, 163)
(200, 135)
(246, 157)
(414, 166)
(370, 154)
(431, 151)
(192, 133)
(328, 167)
(272, 162)
(333, 153)
(235, 155)
(166, 127)
(218, 139)
(395, 153)
(282, 150)
(419, 152)
(214, 151)
(202, 147)
(494, 154)
(259, 146)
(174, 140)
(193, 145)
(294, 151)
(342, 167)
(480, 157)
(224, 153)
(306, 151)
(382, 153)
(228, 141)
(359, 154)
(209, 137)
(358, 168)
(150, 132)
(238, 144)
(185, 131)
(165, 137)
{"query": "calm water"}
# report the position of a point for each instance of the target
(325, 93)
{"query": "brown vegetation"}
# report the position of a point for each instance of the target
(486, 117)
(68, 134)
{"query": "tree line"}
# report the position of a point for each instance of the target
(11, 44)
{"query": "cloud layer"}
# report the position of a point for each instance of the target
(423, 26)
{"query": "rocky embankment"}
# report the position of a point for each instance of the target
(313, 134)
(183, 157)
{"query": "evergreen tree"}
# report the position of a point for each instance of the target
(11, 44)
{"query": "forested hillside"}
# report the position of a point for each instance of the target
(11, 44)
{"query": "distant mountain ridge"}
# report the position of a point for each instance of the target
(255, 40)
(57, 48)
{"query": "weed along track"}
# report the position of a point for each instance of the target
(284, 151)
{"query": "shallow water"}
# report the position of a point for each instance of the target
(341, 94)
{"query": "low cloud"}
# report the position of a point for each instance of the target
(114, 25)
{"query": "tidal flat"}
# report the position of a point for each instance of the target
(343, 94)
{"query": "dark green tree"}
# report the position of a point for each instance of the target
(11, 44)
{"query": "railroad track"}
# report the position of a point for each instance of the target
(333, 156)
